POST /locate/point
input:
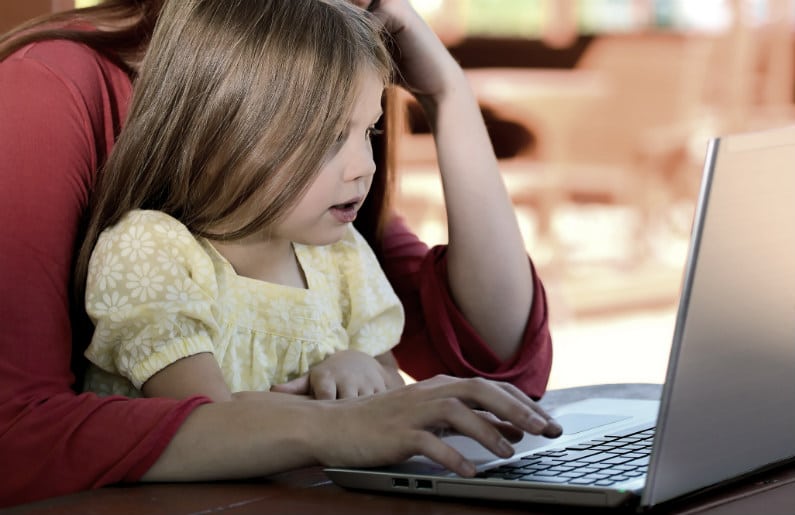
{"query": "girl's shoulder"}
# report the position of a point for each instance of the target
(154, 244)
(150, 218)
(144, 228)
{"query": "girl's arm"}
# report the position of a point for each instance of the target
(194, 375)
(489, 274)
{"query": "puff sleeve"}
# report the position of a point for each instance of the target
(151, 293)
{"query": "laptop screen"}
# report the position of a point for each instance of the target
(727, 404)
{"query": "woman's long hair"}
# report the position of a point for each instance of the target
(235, 98)
(119, 29)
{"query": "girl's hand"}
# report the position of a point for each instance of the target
(404, 422)
(346, 374)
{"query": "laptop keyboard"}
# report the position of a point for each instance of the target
(602, 461)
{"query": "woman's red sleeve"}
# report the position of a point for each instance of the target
(60, 107)
(438, 339)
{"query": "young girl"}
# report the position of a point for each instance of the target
(226, 209)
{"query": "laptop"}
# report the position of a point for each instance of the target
(726, 409)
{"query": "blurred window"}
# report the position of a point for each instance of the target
(530, 18)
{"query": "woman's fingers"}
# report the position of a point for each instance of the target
(445, 455)
(505, 401)
(509, 431)
(552, 429)
(364, 4)
(453, 414)
(390, 427)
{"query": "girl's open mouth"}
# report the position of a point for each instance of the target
(345, 213)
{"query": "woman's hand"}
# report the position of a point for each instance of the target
(425, 66)
(346, 374)
(391, 427)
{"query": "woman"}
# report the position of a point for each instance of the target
(62, 105)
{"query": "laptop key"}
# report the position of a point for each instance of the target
(618, 460)
(596, 476)
(512, 466)
(604, 482)
(544, 473)
(562, 468)
(643, 428)
(643, 462)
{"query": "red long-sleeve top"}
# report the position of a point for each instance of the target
(61, 108)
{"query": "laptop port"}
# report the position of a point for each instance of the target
(423, 484)
(400, 482)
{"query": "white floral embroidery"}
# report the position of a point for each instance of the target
(144, 282)
(108, 271)
(183, 291)
(170, 260)
(170, 231)
(136, 243)
(110, 305)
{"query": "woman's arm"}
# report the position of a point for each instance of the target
(438, 338)
(278, 432)
(59, 104)
(489, 275)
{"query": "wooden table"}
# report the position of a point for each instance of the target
(308, 491)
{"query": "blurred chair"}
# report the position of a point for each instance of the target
(669, 93)
(741, 80)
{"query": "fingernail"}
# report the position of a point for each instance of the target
(468, 468)
(554, 429)
(505, 448)
(537, 423)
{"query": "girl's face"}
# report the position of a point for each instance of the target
(332, 201)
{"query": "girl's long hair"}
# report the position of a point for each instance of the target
(235, 98)
(122, 29)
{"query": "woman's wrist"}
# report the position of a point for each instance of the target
(260, 437)
(456, 94)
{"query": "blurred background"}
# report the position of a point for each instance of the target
(600, 112)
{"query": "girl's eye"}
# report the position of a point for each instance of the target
(373, 131)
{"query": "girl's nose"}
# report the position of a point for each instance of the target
(360, 166)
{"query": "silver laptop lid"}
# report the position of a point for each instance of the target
(727, 405)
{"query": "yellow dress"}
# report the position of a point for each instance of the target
(157, 294)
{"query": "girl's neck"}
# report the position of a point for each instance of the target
(269, 261)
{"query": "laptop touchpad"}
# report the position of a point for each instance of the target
(574, 423)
